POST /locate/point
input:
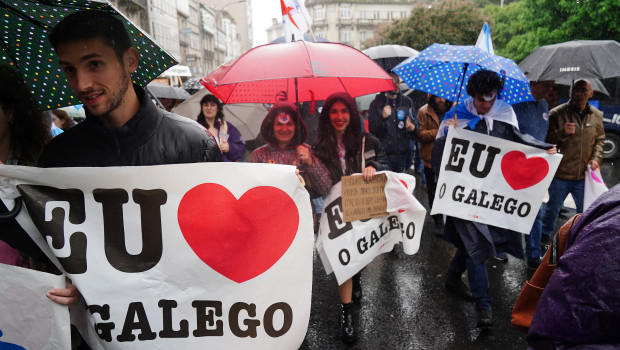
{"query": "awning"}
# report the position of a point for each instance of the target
(177, 71)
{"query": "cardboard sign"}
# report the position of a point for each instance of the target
(492, 181)
(347, 247)
(176, 256)
(28, 319)
(363, 199)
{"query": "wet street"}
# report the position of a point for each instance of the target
(405, 304)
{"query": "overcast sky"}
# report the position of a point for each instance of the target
(263, 12)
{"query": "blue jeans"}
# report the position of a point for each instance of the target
(558, 190)
(476, 275)
(532, 241)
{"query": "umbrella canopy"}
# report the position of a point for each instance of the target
(24, 43)
(574, 59)
(167, 91)
(389, 56)
(444, 70)
(246, 117)
(597, 84)
(296, 72)
(192, 85)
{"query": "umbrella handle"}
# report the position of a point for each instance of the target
(461, 87)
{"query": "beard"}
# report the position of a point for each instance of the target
(114, 99)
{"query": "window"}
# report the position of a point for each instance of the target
(362, 36)
(345, 35)
(319, 13)
(389, 15)
(403, 14)
(345, 12)
(362, 14)
(375, 15)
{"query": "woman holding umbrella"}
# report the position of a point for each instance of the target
(285, 133)
(228, 138)
(345, 150)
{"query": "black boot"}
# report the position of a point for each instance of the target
(347, 332)
(357, 289)
(485, 319)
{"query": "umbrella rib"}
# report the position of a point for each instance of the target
(8, 52)
(24, 16)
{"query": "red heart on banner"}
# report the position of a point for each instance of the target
(239, 239)
(521, 172)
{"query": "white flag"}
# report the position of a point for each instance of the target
(295, 18)
(484, 39)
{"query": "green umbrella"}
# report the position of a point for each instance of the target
(24, 27)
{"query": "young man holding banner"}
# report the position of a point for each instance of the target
(483, 113)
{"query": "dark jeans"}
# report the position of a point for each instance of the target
(558, 190)
(431, 185)
(397, 163)
(476, 275)
(532, 241)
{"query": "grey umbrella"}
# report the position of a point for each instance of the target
(167, 91)
(597, 84)
(573, 59)
(389, 56)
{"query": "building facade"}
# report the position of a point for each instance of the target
(195, 32)
(354, 22)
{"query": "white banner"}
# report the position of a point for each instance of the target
(347, 247)
(28, 319)
(492, 181)
(186, 256)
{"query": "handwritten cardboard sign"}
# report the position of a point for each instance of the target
(363, 199)
(346, 247)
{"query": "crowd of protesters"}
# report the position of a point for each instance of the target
(120, 113)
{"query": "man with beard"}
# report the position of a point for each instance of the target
(122, 127)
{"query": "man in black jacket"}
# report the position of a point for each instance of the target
(122, 126)
(390, 120)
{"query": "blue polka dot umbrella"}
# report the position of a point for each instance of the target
(24, 27)
(444, 70)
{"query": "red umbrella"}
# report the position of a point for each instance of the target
(296, 72)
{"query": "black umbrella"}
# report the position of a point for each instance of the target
(24, 46)
(167, 91)
(389, 56)
(572, 60)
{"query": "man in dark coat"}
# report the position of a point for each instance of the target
(580, 306)
(476, 242)
(122, 127)
(390, 120)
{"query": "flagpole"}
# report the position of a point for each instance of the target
(310, 30)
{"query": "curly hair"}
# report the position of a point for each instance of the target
(220, 110)
(483, 82)
(326, 146)
(30, 130)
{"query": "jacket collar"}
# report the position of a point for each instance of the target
(138, 129)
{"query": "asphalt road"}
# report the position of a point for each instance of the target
(405, 304)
